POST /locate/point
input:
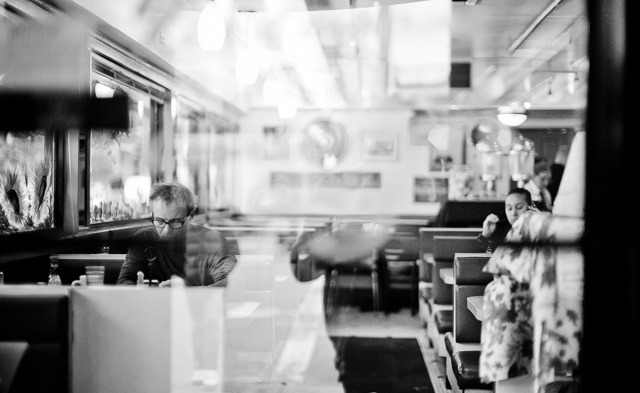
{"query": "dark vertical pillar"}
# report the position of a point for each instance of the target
(612, 216)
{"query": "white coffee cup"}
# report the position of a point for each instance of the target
(81, 282)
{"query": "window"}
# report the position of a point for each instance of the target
(122, 162)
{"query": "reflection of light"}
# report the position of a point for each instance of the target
(489, 159)
(527, 105)
(247, 67)
(136, 189)
(527, 82)
(287, 107)
(140, 109)
(329, 161)
(211, 28)
(103, 91)
(174, 107)
(571, 86)
(272, 90)
(521, 159)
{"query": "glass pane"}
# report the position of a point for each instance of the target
(192, 144)
(26, 181)
(120, 177)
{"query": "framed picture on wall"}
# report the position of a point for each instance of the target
(430, 189)
(379, 146)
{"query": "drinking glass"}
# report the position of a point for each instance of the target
(95, 275)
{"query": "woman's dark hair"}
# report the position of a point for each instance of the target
(523, 192)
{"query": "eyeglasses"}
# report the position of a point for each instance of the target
(173, 224)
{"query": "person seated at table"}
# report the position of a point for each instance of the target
(538, 186)
(192, 255)
(175, 246)
(517, 202)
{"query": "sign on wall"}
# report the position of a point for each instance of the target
(326, 180)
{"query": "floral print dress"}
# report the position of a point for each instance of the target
(530, 325)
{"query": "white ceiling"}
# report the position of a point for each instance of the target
(354, 54)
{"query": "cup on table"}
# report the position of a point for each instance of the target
(95, 275)
(81, 282)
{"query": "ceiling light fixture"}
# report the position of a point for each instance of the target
(174, 107)
(512, 115)
(103, 91)
(141, 109)
(211, 28)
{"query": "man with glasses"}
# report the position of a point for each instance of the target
(175, 246)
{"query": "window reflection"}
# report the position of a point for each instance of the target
(26, 181)
(120, 176)
(199, 154)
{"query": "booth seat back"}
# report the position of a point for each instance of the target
(470, 280)
(469, 213)
(425, 246)
(34, 352)
(72, 266)
(427, 234)
(445, 248)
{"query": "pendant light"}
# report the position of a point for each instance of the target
(512, 115)
(211, 28)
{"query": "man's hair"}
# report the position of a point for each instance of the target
(523, 192)
(175, 192)
(540, 166)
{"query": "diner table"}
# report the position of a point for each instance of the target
(447, 276)
(474, 304)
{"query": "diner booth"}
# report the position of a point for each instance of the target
(343, 222)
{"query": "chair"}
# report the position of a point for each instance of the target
(355, 254)
(399, 259)
(353, 269)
